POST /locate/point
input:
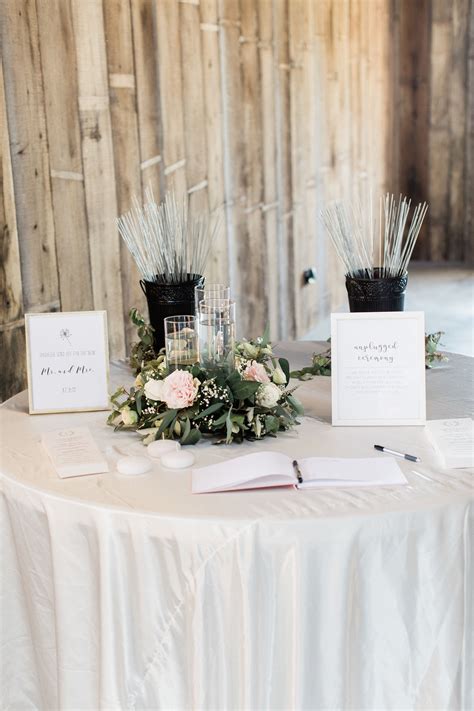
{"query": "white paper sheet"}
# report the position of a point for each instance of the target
(73, 452)
(454, 441)
(378, 368)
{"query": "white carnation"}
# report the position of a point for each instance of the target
(129, 417)
(268, 395)
(154, 389)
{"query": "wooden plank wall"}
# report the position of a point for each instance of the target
(435, 106)
(260, 109)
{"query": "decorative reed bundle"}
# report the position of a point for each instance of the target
(374, 246)
(168, 246)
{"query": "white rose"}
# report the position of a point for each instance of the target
(154, 389)
(139, 381)
(250, 350)
(129, 417)
(278, 376)
(268, 395)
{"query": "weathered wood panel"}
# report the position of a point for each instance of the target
(218, 269)
(147, 95)
(261, 109)
(252, 257)
(166, 20)
(123, 113)
(286, 262)
(193, 108)
(58, 61)
(12, 336)
(29, 153)
(229, 22)
(469, 183)
(269, 157)
(99, 172)
(414, 105)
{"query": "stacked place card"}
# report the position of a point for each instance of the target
(453, 441)
(73, 452)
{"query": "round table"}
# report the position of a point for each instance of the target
(131, 593)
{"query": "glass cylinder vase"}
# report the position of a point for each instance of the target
(181, 342)
(216, 333)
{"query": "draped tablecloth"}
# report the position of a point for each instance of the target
(121, 593)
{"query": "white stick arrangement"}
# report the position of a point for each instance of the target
(168, 246)
(374, 246)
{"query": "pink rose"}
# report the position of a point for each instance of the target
(179, 389)
(256, 371)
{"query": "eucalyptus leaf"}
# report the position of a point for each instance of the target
(193, 437)
(168, 418)
(244, 389)
(209, 410)
(285, 366)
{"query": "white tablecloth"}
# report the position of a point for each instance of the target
(133, 594)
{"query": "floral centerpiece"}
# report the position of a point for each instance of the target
(249, 403)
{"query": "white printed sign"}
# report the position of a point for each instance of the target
(378, 368)
(67, 361)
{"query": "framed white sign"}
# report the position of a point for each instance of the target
(378, 368)
(67, 361)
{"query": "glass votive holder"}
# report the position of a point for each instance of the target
(210, 291)
(181, 342)
(216, 333)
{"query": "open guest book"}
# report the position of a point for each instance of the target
(270, 469)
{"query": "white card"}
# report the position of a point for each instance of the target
(73, 452)
(454, 441)
(378, 368)
(68, 362)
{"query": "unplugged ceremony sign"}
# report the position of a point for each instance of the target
(378, 368)
(67, 361)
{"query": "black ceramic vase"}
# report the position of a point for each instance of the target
(169, 300)
(377, 294)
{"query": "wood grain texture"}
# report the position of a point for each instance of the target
(229, 23)
(267, 60)
(262, 110)
(12, 335)
(123, 114)
(58, 61)
(166, 20)
(29, 151)
(10, 272)
(218, 268)
(99, 171)
(286, 264)
(147, 95)
(252, 253)
(469, 182)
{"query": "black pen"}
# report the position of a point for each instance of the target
(298, 471)
(410, 457)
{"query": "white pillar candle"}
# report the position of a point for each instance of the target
(133, 466)
(177, 460)
(160, 447)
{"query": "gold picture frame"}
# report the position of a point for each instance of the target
(36, 395)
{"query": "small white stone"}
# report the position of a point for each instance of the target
(160, 447)
(133, 466)
(178, 460)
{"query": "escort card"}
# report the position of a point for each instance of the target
(67, 361)
(454, 441)
(378, 368)
(73, 452)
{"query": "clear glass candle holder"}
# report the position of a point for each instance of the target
(216, 331)
(181, 341)
(210, 292)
